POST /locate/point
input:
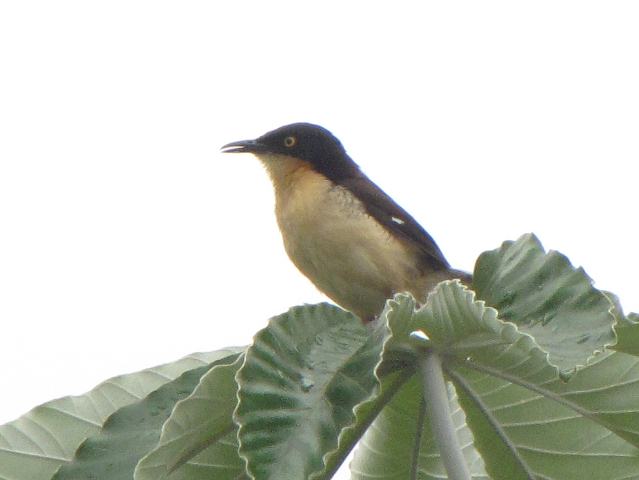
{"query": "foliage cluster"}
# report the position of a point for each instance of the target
(541, 382)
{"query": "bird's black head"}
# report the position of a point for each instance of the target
(305, 141)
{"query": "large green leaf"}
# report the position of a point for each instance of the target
(34, 446)
(370, 358)
(199, 438)
(131, 432)
(300, 382)
(586, 428)
(386, 450)
(526, 421)
(548, 298)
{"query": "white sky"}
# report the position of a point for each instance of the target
(128, 240)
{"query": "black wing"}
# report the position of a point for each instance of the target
(395, 219)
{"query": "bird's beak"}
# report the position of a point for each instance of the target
(243, 146)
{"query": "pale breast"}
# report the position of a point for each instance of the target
(343, 251)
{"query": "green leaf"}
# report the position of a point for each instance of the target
(385, 451)
(628, 335)
(199, 440)
(131, 432)
(617, 309)
(300, 382)
(370, 358)
(452, 320)
(220, 462)
(548, 298)
(586, 428)
(526, 421)
(34, 446)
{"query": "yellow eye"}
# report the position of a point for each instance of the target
(290, 141)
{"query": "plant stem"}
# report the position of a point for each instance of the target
(437, 404)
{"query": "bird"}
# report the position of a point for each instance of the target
(351, 240)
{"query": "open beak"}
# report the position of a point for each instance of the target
(243, 146)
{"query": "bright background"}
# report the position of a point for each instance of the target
(127, 239)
